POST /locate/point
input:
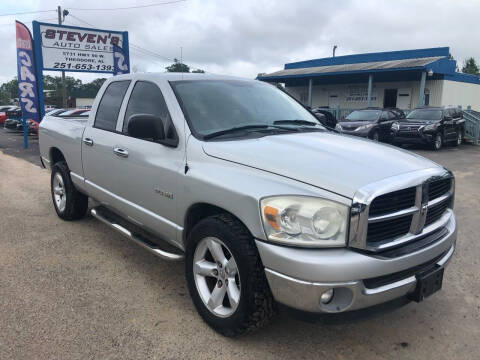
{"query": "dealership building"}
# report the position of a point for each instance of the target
(403, 79)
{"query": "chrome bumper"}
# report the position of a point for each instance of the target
(298, 277)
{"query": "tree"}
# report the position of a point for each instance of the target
(199, 71)
(178, 67)
(470, 67)
(8, 91)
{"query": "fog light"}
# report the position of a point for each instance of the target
(326, 297)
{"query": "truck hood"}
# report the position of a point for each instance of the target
(337, 163)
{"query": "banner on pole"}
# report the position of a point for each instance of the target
(120, 61)
(27, 78)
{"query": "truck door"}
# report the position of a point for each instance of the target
(146, 172)
(98, 141)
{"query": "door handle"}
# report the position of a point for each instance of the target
(88, 141)
(120, 152)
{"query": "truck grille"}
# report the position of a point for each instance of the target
(394, 201)
(388, 229)
(436, 211)
(438, 188)
(397, 214)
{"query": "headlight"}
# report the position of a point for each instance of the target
(338, 127)
(364, 127)
(395, 126)
(304, 221)
(430, 127)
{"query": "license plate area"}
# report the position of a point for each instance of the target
(428, 282)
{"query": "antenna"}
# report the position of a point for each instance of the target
(181, 59)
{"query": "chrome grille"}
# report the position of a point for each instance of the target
(383, 221)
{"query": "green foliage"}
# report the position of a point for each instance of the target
(470, 67)
(177, 66)
(52, 86)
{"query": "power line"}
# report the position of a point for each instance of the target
(128, 7)
(27, 12)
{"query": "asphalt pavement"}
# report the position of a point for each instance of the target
(78, 290)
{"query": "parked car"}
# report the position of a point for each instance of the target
(3, 110)
(434, 126)
(369, 123)
(72, 112)
(325, 117)
(32, 126)
(263, 204)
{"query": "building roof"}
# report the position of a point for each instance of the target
(365, 66)
(387, 66)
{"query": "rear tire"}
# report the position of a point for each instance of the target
(437, 142)
(252, 306)
(68, 202)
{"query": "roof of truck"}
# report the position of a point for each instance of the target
(170, 76)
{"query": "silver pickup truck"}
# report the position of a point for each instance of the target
(263, 204)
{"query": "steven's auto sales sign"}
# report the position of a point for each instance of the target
(77, 49)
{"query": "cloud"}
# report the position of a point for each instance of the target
(250, 36)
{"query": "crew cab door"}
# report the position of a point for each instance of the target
(98, 141)
(146, 172)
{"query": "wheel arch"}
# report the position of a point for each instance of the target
(199, 211)
(56, 155)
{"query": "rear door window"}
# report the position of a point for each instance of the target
(109, 107)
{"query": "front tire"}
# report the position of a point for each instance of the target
(459, 139)
(376, 136)
(226, 278)
(68, 202)
(437, 142)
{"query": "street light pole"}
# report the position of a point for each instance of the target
(64, 87)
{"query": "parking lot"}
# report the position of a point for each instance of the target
(78, 290)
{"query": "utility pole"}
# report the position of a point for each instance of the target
(334, 48)
(64, 87)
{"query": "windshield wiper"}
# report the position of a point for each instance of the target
(295, 122)
(237, 128)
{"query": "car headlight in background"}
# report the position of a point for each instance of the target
(395, 126)
(304, 221)
(364, 127)
(338, 127)
(430, 127)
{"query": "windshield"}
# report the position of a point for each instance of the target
(425, 115)
(216, 105)
(364, 115)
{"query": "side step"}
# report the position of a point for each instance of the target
(141, 240)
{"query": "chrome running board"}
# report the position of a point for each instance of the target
(138, 238)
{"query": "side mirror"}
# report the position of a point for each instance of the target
(145, 126)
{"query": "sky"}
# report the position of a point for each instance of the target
(247, 37)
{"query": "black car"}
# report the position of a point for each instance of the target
(434, 126)
(325, 117)
(369, 123)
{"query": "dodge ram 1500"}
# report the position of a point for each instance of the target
(262, 203)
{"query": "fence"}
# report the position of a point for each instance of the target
(472, 125)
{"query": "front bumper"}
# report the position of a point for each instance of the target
(298, 277)
(364, 133)
(420, 138)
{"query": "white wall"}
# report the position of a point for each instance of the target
(322, 94)
(81, 102)
(460, 93)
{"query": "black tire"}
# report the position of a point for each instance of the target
(458, 139)
(437, 142)
(375, 136)
(256, 305)
(76, 203)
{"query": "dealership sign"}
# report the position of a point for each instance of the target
(72, 48)
(26, 75)
(63, 48)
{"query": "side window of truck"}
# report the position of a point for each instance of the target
(109, 107)
(147, 98)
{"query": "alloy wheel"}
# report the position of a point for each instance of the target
(216, 277)
(59, 193)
